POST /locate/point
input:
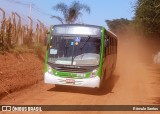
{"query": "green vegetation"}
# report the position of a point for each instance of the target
(146, 20)
(147, 17)
(70, 13)
(118, 25)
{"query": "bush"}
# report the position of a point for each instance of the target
(147, 17)
(21, 49)
(40, 50)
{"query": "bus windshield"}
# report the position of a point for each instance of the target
(71, 50)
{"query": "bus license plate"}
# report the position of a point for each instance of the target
(70, 81)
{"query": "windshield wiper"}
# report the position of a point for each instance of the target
(86, 40)
(66, 47)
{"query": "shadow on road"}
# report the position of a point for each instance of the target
(156, 100)
(156, 70)
(108, 86)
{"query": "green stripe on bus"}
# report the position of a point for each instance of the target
(102, 53)
(46, 57)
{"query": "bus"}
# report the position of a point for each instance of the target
(80, 55)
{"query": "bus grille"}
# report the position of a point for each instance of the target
(73, 70)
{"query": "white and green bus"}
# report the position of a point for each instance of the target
(80, 55)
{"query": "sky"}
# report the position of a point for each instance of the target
(101, 10)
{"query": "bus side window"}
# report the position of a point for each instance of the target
(109, 46)
(110, 51)
(116, 46)
(105, 44)
(113, 46)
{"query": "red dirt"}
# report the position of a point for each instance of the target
(135, 82)
(19, 71)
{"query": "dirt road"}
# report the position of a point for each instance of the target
(133, 82)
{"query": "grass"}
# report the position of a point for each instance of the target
(21, 49)
(38, 49)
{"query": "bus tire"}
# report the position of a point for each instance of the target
(57, 86)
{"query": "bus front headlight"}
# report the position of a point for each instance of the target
(50, 70)
(94, 73)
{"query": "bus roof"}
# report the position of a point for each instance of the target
(89, 29)
(85, 25)
(111, 34)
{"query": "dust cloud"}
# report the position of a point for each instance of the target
(136, 67)
(135, 81)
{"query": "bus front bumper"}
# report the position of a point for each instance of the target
(86, 82)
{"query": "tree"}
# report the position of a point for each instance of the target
(147, 16)
(70, 13)
(118, 26)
